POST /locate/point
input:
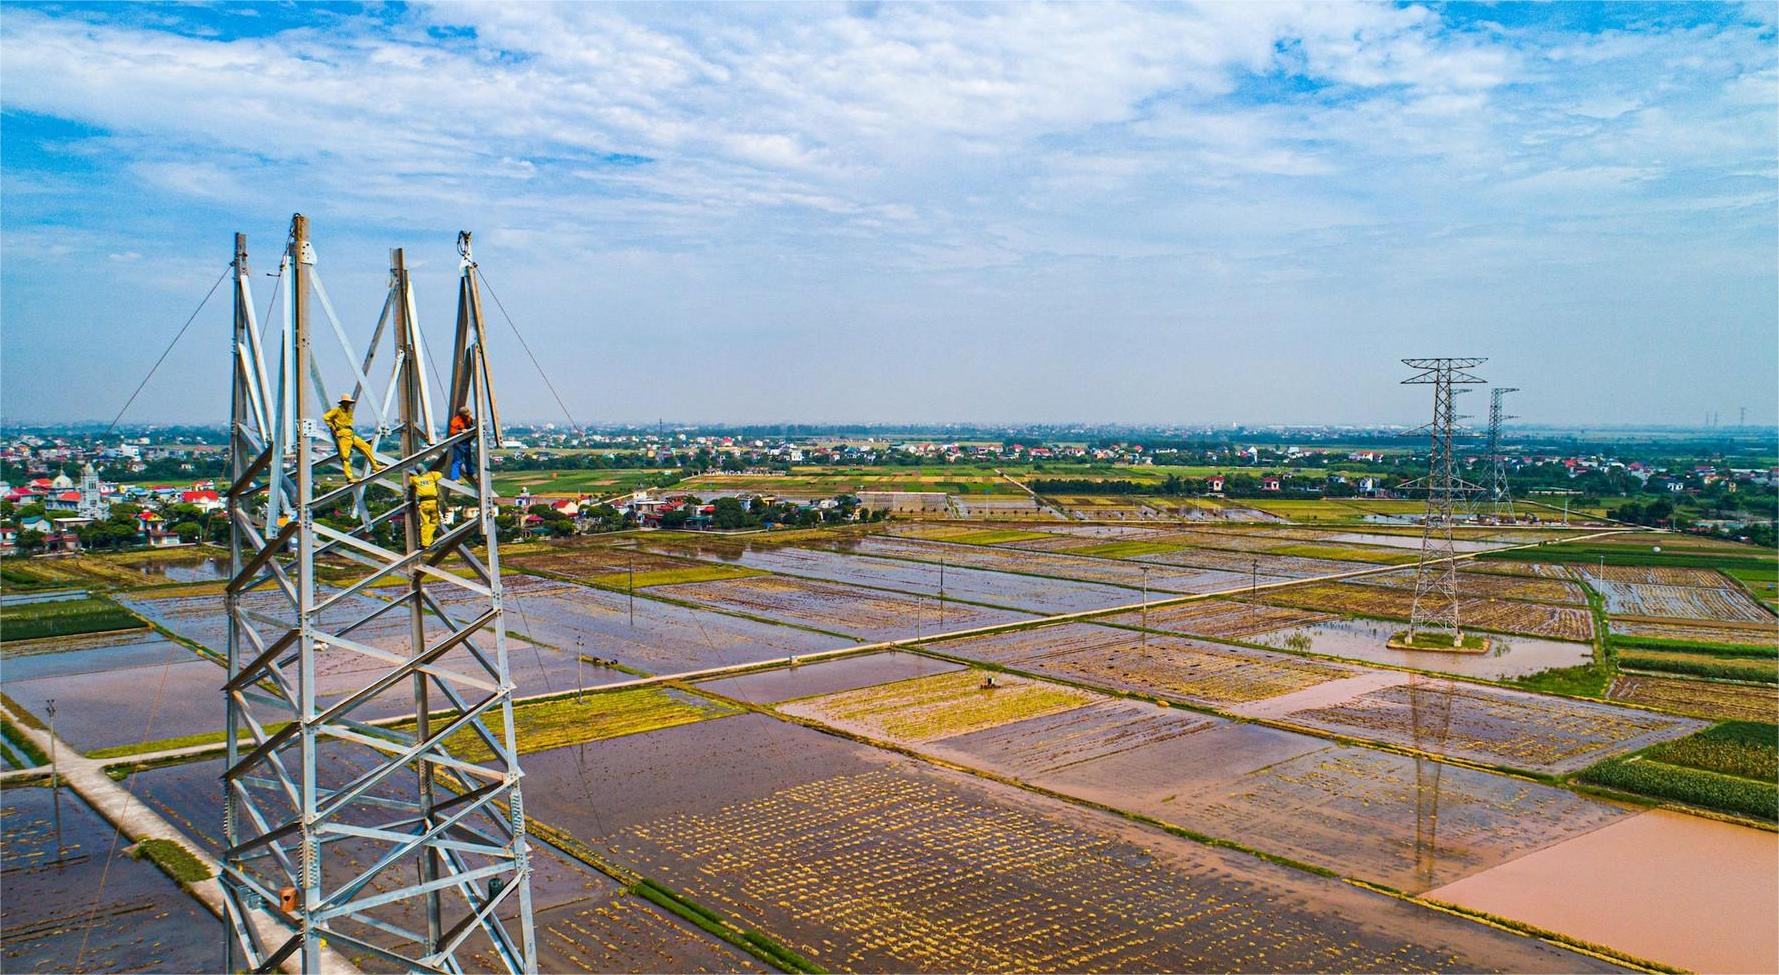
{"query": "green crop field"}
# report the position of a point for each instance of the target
(1731, 767)
(29, 621)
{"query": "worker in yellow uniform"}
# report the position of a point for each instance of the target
(425, 486)
(339, 420)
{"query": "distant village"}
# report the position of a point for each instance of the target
(61, 502)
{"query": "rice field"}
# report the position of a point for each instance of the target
(1715, 604)
(865, 614)
(586, 922)
(1491, 725)
(1477, 585)
(1757, 634)
(1500, 615)
(826, 677)
(1699, 698)
(1220, 618)
(851, 859)
(1110, 571)
(1035, 594)
(92, 908)
(938, 706)
(1166, 666)
(1368, 640)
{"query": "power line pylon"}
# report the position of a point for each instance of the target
(1436, 577)
(345, 833)
(1500, 498)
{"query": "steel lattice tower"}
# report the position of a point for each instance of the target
(1500, 498)
(1436, 577)
(350, 824)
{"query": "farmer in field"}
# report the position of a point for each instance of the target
(425, 488)
(460, 456)
(339, 420)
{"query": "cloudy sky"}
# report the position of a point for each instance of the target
(900, 212)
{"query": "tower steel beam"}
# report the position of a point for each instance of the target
(405, 844)
(1436, 601)
(1500, 498)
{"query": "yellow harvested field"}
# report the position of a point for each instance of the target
(1716, 700)
(939, 706)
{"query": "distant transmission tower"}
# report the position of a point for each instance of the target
(399, 845)
(1436, 577)
(1499, 497)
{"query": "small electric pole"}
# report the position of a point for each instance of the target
(633, 590)
(55, 776)
(1145, 608)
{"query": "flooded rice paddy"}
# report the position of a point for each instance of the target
(850, 856)
(1363, 639)
(867, 615)
(585, 920)
(828, 677)
(1169, 666)
(91, 907)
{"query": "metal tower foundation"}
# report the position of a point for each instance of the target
(371, 800)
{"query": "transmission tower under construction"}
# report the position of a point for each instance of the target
(1500, 498)
(1436, 577)
(371, 802)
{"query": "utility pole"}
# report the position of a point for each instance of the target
(55, 776)
(1145, 608)
(1501, 501)
(1436, 601)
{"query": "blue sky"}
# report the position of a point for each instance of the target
(900, 212)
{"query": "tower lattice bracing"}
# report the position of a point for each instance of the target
(371, 789)
(1500, 498)
(1436, 578)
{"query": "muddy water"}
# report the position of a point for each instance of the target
(92, 909)
(973, 585)
(1361, 639)
(122, 651)
(1687, 891)
(186, 570)
(1408, 541)
(808, 680)
(120, 707)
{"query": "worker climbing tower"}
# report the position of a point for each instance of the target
(371, 802)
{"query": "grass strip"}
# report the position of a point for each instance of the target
(1693, 646)
(174, 860)
(22, 744)
(1583, 680)
(713, 924)
(24, 714)
(1702, 665)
